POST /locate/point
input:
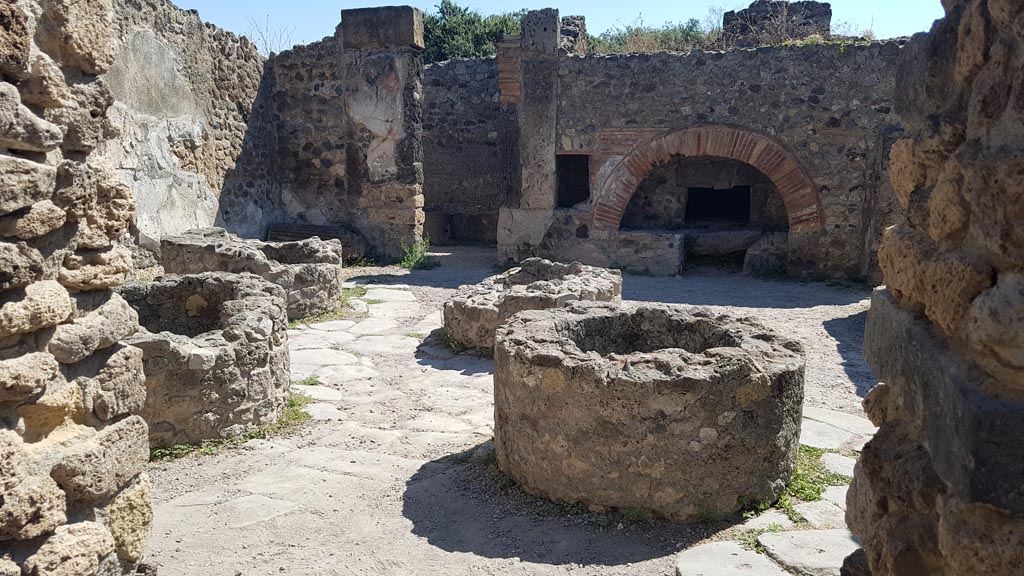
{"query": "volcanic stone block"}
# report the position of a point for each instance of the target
(384, 27)
(656, 407)
(476, 311)
(309, 270)
(215, 352)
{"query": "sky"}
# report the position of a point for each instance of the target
(311, 20)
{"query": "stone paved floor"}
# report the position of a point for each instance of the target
(395, 475)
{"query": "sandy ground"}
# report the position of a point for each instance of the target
(395, 476)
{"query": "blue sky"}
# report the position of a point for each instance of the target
(314, 19)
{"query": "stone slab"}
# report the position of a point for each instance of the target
(822, 515)
(820, 435)
(838, 464)
(385, 345)
(321, 393)
(251, 509)
(323, 412)
(389, 295)
(372, 326)
(725, 559)
(392, 310)
(849, 422)
(340, 374)
(836, 495)
(323, 357)
(811, 552)
(768, 518)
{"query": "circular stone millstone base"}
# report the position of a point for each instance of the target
(476, 310)
(664, 408)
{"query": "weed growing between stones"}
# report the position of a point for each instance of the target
(809, 482)
(307, 381)
(292, 416)
(416, 256)
(748, 538)
(340, 313)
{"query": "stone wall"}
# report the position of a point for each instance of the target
(938, 489)
(816, 119)
(74, 497)
(464, 177)
(348, 122)
(775, 21)
(184, 94)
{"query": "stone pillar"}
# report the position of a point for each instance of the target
(940, 488)
(74, 494)
(530, 204)
(384, 104)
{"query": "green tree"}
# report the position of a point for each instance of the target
(455, 31)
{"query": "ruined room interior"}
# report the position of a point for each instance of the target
(755, 306)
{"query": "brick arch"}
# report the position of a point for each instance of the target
(797, 188)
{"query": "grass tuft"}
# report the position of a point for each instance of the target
(748, 538)
(416, 256)
(292, 416)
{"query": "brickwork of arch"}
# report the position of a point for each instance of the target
(797, 188)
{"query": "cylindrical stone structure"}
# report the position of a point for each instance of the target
(668, 409)
(476, 311)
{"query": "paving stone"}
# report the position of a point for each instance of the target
(849, 422)
(838, 463)
(820, 435)
(358, 306)
(313, 339)
(323, 357)
(822, 515)
(438, 423)
(389, 295)
(429, 323)
(338, 375)
(373, 326)
(836, 495)
(333, 326)
(812, 552)
(322, 412)
(393, 310)
(385, 345)
(725, 559)
(249, 510)
(322, 393)
(769, 518)
(366, 465)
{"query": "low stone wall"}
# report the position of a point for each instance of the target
(74, 494)
(657, 408)
(308, 270)
(475, 311)
(464, 179)
(938, 489)
(215, 350)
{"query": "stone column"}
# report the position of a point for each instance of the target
(74, 494)
(530, 204)
(940, 488)
(384, 103)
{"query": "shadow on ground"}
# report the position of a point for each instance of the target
(461, 503)
(435, 353)
(713, 287)
(456, 266)
(849, 333)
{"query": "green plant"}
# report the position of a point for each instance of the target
(416, 256)
(307, 381)
(811, 478)
(748, 538)
(454, 31)
(292, 416)
(340, 313)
